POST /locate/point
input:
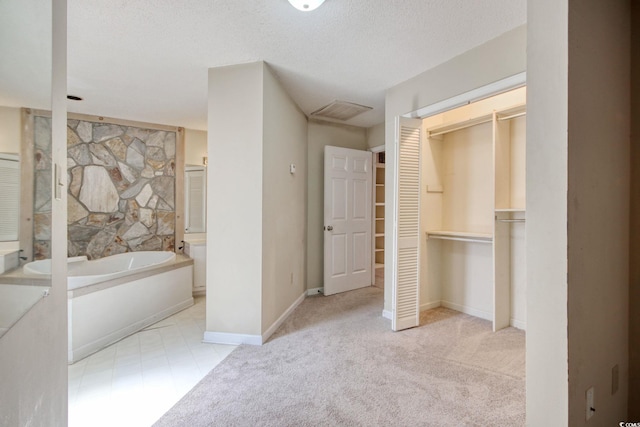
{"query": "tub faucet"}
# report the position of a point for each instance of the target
(23, 258)
(181, 247)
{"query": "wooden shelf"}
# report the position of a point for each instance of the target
(379, 219)
(379, 234)
(380, 165)
(379, 265)
(461, 236)
(379, 249)
(379, 185)
(380, 204)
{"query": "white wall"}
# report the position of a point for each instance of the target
(546, 233)
(284, 201)
(33, 353)
(598, 206)
(234, 199)
(497, 59)
(195, 146)
(321, 134)
(375, 136)
(9, 130)
(256, 209)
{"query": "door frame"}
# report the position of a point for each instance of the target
(391, 187)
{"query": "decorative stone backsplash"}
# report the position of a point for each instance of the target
(121, 189)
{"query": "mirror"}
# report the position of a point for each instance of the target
(25, 168)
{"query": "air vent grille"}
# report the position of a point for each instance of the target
(340, 110)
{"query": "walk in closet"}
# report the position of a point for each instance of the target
(472, 210)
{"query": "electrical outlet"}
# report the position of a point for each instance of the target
(590, 403)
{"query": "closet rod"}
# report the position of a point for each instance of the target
(510, 220)
(513, 116)
(463, 126)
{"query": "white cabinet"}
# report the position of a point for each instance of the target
(197, 250)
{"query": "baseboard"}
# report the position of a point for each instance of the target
(315, 291)
(234, 339)
(519, 324)
(282, 318)
(386, 314)
(79, 353)
(468, 310)
(430, 305)
(237, 339)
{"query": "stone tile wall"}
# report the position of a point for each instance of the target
(42, 188)
(121, 189)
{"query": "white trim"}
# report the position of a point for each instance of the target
(504, 85)
(237, 339)
(233, 339)
(430, 305)
(519, 324)
(387, 314)
(315, 291)
(487, 315)
(377, 149)
(283, 317)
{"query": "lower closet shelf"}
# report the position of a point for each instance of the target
(461, 236)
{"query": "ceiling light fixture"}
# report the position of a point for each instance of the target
(306, 5)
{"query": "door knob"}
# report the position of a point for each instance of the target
(330, 228)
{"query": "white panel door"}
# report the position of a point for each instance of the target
(348, 180)
(405, 297)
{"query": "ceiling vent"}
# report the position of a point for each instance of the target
(340, 110)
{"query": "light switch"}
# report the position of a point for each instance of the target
(292, 168)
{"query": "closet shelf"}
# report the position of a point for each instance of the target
(379, 249)
(461, 236)
(379, 265)
(512, 113)
(514, 210)
(380, 204)
(379, 234)
(458, 125)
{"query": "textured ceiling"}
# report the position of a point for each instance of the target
(148, 59)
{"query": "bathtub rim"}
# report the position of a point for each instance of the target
(179, 262)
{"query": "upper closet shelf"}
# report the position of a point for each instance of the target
(506, 114)
(452, 127)
(461, 236)
(512, 113)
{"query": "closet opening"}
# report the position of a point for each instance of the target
(460, 208)
(378, 217)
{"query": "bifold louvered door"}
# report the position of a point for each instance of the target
(406, 289)
(9, 199)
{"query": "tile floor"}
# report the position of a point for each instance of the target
(135, 381)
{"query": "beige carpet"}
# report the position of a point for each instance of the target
(336, 362)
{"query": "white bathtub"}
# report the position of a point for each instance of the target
(113, 297)
(82, 272)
